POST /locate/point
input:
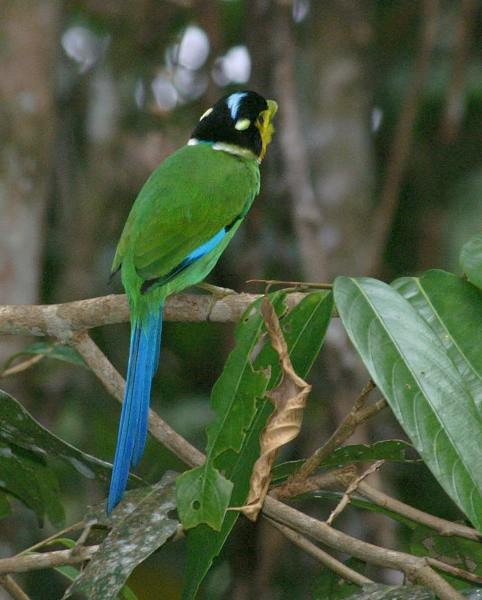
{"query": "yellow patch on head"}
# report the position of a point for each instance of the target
(205, 114)
(265, 126)
(242, 124)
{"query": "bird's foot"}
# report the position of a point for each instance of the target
(217, 292)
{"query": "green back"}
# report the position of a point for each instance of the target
(189, 198)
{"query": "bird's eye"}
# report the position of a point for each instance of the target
(261, 119)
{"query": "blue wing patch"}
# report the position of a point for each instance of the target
(195, 255)
(233, 102)
(205, 248)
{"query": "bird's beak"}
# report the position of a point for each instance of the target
(266, 129)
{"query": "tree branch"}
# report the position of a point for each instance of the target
(323, 557)
(114, 384)
(351, 489)
(441, 525)
(61, 320)
(11, 586)
(455, 571)
(342, 433)
(416, 568)
(46, 560)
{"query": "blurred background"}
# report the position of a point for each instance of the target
(375, 169)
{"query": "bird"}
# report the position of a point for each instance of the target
(179, 225)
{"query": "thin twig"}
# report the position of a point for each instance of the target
(61, 320)
(115, 384)
(51, 538)
(414, 514)
(402, 140)
(323, 557)
(45, 560)
(351, 489)
(336, 479)
(416, 568)
(11, 586)
(23, 366)
(455, 571)
(297, 284)
(354, 418)
(79, 544)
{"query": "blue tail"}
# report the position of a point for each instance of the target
(131, 439)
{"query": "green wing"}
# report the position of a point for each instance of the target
(187, 200)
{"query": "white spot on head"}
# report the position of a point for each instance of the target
(242, 124)
(233, 102)
(206, 113)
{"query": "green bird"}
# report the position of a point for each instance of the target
(182, 220)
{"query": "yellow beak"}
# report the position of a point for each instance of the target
(266, 129)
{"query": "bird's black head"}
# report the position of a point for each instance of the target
(241, 120)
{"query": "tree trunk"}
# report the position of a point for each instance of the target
(28, 31)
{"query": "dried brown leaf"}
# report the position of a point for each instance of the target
(289, 400)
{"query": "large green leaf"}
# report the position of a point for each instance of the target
(19, 428)
(203, 494)
(304, 328)
(18, 479)
(424, 388)
(139, 529)
(471, 260)
(453, 309)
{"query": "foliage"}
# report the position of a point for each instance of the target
(419, 341)
(94, 95)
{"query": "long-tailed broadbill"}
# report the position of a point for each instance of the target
(179, 225)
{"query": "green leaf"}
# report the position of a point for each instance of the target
(424, 388)
(395, 450)
(18, 427)
(471, 260)
(455, 551)
(304, 328)
(214, 490)
(143, 527)
(29, 479)
(203, 494)
(453, 309)
(378, 591)
(49, 350)
(71, 573)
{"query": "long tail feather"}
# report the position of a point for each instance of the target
(131, 439)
